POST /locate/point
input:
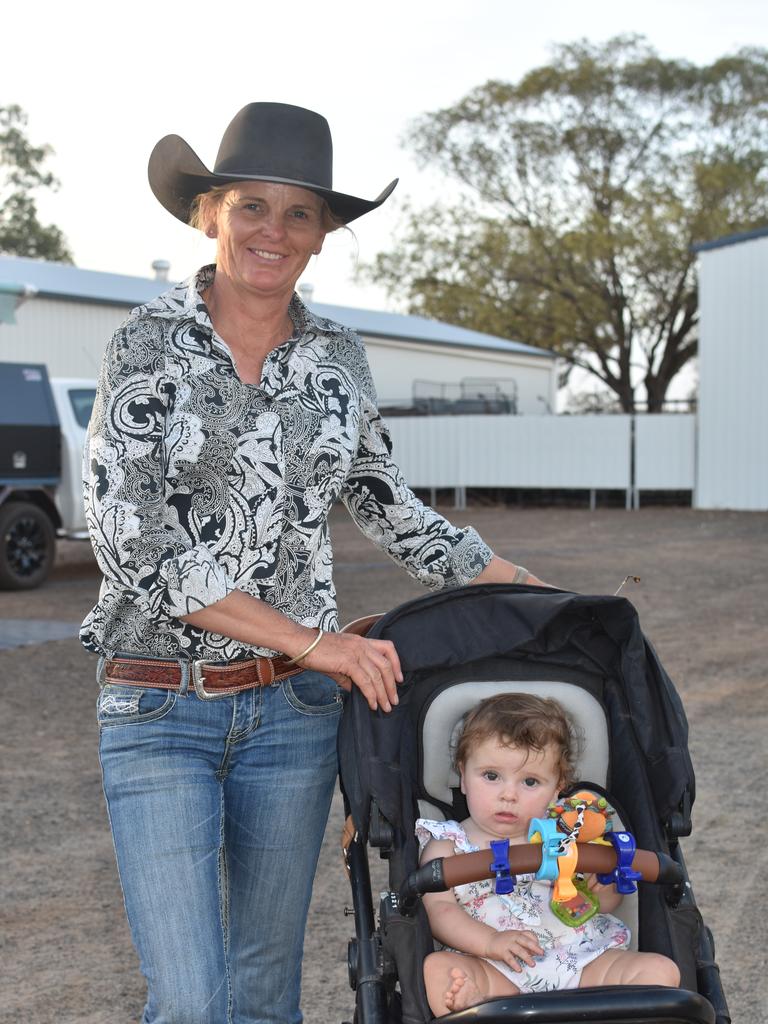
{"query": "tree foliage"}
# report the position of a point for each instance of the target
(21, 175)
(582, 189)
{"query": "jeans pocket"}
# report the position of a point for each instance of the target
(312, 693)
(132, 705)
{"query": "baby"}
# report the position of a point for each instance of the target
(515, 754)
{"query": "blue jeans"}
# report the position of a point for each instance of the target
(218, 810)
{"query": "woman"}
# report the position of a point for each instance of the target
(228, 421)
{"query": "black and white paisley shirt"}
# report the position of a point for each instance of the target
(198, 484)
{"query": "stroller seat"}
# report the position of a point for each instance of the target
(589, 653)
(441, 726)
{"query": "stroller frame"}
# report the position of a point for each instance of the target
(500, 633)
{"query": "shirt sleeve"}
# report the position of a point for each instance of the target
(129, 466)
(423, 542)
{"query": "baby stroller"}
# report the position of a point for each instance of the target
(589, 653)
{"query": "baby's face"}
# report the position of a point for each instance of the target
(507, 786)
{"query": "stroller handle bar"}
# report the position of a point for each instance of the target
(445, 873)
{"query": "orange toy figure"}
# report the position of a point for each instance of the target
(585, 813)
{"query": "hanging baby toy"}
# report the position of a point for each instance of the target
(583, 817)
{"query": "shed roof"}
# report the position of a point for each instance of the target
(63, 281)
(740, 236)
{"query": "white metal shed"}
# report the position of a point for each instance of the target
(732, 457)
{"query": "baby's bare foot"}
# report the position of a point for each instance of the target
(463, 991)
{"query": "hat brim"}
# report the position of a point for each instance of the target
(177, 175)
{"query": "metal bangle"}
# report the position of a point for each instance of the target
(312, 646)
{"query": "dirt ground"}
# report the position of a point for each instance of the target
(65, 949)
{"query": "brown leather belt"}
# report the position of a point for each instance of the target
(208, 679)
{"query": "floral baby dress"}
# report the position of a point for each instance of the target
(567, 951)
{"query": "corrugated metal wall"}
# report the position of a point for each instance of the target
(665, 448)
(68, 337)
(560, 452)
(733, 377)
(396, 365)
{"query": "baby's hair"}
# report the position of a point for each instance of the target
(520, 720)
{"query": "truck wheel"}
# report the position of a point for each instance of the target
(27, 546)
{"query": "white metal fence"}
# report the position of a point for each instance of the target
(629, 453)
(665, 452)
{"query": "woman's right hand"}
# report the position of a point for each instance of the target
(513, 946)
(371, 665)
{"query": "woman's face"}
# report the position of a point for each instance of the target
(265, 234)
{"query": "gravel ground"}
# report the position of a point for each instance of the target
(66, 953)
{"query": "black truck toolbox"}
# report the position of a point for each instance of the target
(30, 438)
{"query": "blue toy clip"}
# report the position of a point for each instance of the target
(505, 881)
(551, 847)
(623, 875)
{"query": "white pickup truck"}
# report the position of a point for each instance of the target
(42, 431)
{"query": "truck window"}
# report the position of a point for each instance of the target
(82, 400)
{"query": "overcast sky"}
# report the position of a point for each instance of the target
(102, 82)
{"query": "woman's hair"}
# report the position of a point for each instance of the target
(520, 720)
(206, 204)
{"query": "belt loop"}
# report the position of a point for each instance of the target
(184, 681)
(101, 664)
(271, 664)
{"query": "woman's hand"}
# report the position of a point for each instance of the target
(371, 665)
(513, 946)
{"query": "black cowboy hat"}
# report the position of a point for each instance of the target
(264, 142)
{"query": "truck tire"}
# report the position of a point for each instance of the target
(27, 546)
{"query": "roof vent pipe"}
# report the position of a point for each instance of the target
(161, 268)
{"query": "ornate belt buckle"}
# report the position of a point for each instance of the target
(198, 681)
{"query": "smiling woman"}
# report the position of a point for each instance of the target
(229, 419)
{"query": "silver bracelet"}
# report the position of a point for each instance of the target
(312, 646)
(521, 574)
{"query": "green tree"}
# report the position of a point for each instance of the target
(21, 175)
(581, 190)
